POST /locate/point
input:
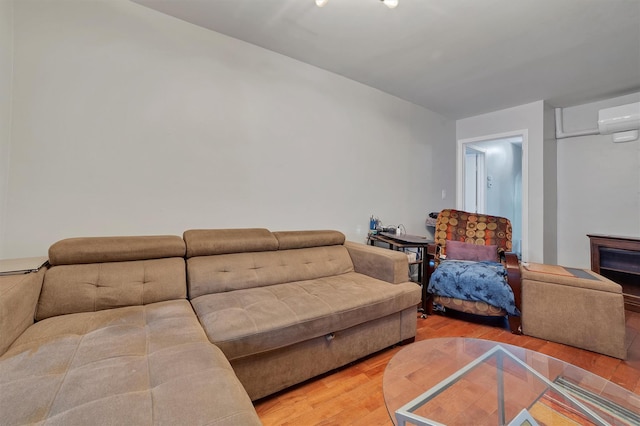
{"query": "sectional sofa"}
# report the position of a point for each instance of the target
(170, 330)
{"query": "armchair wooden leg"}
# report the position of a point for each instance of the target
(515, 324)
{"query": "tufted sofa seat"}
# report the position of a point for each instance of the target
(116, 341)
(287, 306)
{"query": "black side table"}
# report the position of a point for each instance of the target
(401, 241)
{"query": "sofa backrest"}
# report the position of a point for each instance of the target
(220, 260)
(96, 273)
(473, 228)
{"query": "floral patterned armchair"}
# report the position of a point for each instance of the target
(471, 268)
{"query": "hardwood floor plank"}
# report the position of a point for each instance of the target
(626, 376)
(353, 394)
(377, 417)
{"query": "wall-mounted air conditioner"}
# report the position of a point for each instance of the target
(622, 121)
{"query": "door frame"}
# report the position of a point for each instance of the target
(460, 154)
(481, 177)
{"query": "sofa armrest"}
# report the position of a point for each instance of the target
(18, 299)
(377, 262)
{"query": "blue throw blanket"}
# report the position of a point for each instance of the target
(476, 281)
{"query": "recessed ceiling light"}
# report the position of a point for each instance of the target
(391, 4)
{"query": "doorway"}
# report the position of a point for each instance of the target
(475, 197)
(490, 180)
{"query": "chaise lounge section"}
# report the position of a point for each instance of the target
(116, 342)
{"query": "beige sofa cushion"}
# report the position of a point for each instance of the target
(94, 273)
(84, 288)
(249, 321)
(206, 242)
(18, 298)
(115, 249)
(303, 239)
(137, 365)
(228, 272)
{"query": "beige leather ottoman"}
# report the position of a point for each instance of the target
(575, 307)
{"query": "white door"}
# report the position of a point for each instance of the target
(474, 176)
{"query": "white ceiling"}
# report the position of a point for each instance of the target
(456, 57)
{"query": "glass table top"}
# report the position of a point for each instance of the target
(459, 381)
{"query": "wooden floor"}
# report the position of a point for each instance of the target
(353, 394)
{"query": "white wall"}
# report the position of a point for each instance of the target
(6, 75)
(529, 117)
(128, 122)
(598, 184)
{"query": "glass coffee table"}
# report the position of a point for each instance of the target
(459, 381)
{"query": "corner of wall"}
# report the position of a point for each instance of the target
(598, 183)
(6, 89)
(550, 175)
